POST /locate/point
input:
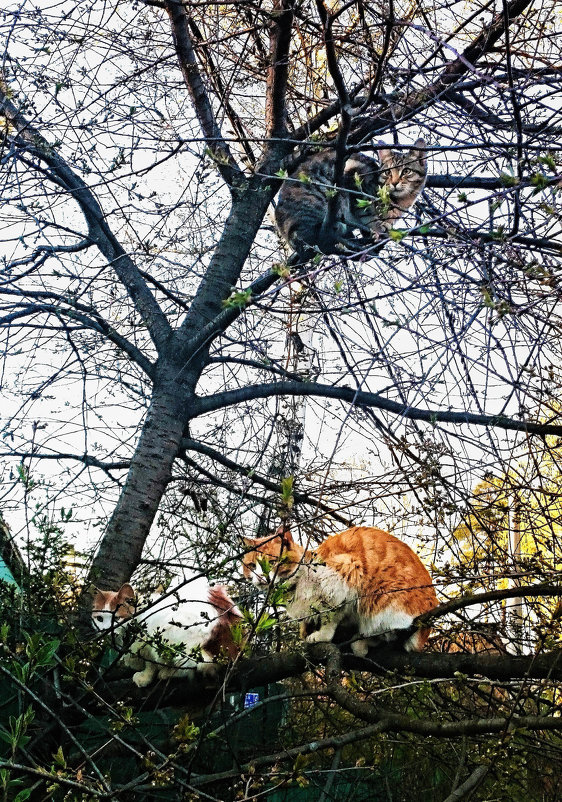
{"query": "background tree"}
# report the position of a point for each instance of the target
(152, 323)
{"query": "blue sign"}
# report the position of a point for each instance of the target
(251, 699)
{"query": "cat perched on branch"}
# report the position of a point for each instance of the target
(178, 634)
(364, 579)
(373, 194)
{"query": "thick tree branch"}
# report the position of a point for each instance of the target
(222, 156)
(253, 672)
(540, 589)
(360, 398)
(222, 90)
(340, 150)
(276, 87)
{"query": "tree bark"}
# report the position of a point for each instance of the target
(180, 365)
(151, 466)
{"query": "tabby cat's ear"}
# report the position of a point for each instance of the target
(385, 154)
(250, 542)
(418, 151)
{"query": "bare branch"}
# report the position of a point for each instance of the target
(275, 487)
(32, 141)
(360, 398)
(222, 156)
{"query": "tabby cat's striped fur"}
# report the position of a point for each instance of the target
(374, 193)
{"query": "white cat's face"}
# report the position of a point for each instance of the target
(111, 607)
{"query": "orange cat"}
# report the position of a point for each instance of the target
(363, 578)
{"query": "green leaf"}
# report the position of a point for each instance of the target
(396, 234)
(185, 730)
(238, 298)
(265, 565)
(282, 173)
(237, 633)
(265, 622)
(59, 758)
(6, 737)
(280, 269)
(301, 762)
(287, 489)
(278, 595)
(22, 795)
(548, 161)
(508, 180)
(44, 655)
(540, 181)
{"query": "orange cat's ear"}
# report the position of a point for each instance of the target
(285, 535)
(126, 592)
(419, 151)
(250, 542)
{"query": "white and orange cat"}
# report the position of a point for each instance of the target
(363, 578)
(180, 631)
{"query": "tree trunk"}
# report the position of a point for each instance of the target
(178, 372)
(151, 467)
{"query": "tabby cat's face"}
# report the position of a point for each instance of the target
(403, 173)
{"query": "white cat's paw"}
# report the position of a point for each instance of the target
(319, 636)
(131, 661)
(360, 648)
(143, 678)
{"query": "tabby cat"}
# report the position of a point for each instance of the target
(177, 627)
(364, 579)
(375, 193)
